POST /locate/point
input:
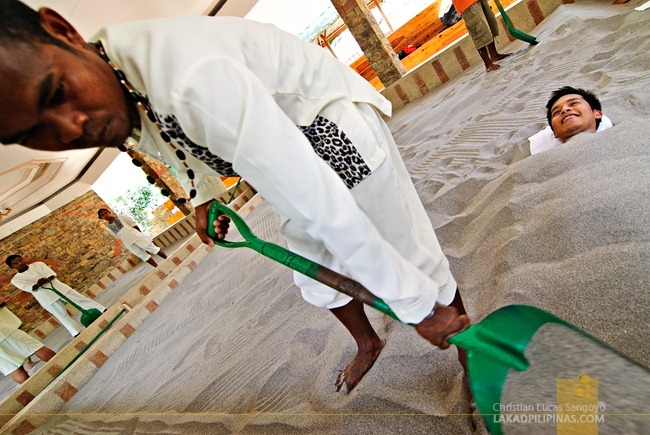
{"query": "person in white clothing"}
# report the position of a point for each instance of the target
(236, 97)
(35, 278)
(127, 230)
(17, 347)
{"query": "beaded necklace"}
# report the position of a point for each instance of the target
(142, 103)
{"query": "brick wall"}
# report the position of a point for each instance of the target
(70, 240)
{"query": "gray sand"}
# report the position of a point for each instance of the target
(621, 389)
(236, 350)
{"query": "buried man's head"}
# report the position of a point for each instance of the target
(571, 111)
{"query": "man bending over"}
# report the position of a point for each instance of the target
(229, 96)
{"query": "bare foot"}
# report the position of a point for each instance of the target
(29, 364)
(358, 367)
(492, 67)
(500, 56)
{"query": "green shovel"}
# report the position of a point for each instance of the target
(495, 347)
(514, 32)
(87, 316)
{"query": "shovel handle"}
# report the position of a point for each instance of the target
(62, 296)
(292, 260)
(518, 34)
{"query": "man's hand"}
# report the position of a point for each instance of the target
(221, 225)
(444, 323)
(201, 217)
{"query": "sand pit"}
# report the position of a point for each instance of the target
(236, 350)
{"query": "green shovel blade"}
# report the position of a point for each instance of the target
(494, 347)
(89, 316)
(521, 355)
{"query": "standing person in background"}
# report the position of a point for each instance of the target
(31, 277)
(125, 229)
(482, 28)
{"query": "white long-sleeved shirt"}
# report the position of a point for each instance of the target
(27, 279)
(229, 84)
(233, 92)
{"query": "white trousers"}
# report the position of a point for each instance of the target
(390, 201)
(143, 248)
(15, 349)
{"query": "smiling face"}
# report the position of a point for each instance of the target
(572, 114)
(55, 99)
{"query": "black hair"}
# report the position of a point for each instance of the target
(100, 210)
(589, 97)
(12, 258)
(20, 23)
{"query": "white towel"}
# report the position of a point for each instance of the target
(545, 140)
